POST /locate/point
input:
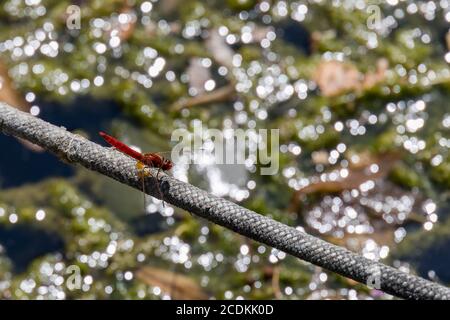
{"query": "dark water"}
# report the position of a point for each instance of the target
(436, 258)
(24, 243)
(295, 34)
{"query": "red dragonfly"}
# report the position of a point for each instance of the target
(149, 160)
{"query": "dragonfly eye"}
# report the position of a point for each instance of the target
(167, 164)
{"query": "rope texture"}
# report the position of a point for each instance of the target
(76, 149)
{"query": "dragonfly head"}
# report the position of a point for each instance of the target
(167, 164)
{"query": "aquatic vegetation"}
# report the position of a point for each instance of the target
(361, 102)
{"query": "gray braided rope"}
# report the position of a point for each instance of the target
(111, 163)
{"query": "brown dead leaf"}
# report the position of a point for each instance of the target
(8, 93)
(320, 157)
(221, 94)
(336, 77)
(219, 49)
(179, 286)
(358, 173)
(168, 6)
(11, 96)
(259, 33)
(356, 242)
(125, 30)
(447, 40)
(152, 28)
(198, 75)
(276, 283)
(222, 54)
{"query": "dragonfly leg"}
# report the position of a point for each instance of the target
(143, 173)
(159, 189)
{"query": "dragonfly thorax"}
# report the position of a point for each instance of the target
(154, 160)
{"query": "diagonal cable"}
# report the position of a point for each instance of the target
(76, 149)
